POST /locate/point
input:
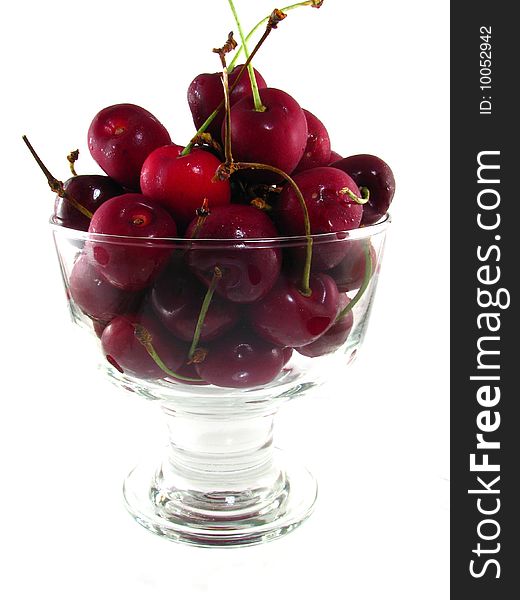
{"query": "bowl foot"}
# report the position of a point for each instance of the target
(171, 515)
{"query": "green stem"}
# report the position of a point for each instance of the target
(366, 279)
(72, 158)
(209, 120)
(305, 286)
(363, 199)
(145, 338)
(263, 22)
(217, 275)
(254, 85)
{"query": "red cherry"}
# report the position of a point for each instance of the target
(317, 152)
(182, 183)
(206, 93)
(177, 298)
(334, 337)
(131, 264)
(350, 272)
(241, 360)
(248, 273)
(330, 210)
(373, 173)
(123, 350)
(120, 138)
(94, 295)
(276, 136)
(334, 156)
(88, 190)
(285, 317)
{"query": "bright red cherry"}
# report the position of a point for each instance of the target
(123, 349)
(88, 190)
(241, 360)
(317, 152)
(94, 295)
(373, 173)
(206, 93)
(120, 138)
(131, 264)
(350, 272)
(334, 337)
(177, 298)
(182, 183)
(285, 317)
(276, 136)
(248, 272)
(330, 210)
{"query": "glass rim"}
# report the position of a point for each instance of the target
(359, 233)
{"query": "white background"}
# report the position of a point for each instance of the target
(376, 72)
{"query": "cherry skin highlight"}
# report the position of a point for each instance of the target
(120, 138)
(131, 264)
(317, 151)
(121, 346)
(94, 295)
(330, 210)
(248, 273)
(241, 360)
(181, 183)
(334, 337)
(373, 173)
(276, 136)
(177, 297)
(88, 190)
(206, 92)
(285, 317)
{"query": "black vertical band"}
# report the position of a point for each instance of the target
(485, 264)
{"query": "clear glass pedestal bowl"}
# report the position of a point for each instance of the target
(220, 481)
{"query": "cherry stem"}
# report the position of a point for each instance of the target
(145, 338)
(254, 85)
(305, 289)
(72, 158)
(217, 276)
(366, 279)
(55, 184)
(365, 195)
(313, 3)
(270, 26)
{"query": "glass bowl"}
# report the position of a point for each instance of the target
(260, 339)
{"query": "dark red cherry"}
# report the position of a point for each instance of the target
(334, 337)
(330, 210)
(350, 272)
(120, 138)
(94, 295)
(317, 151)
(88, 190)
(276, 136)
(373, 173)
(285, 317)
(241, 360)
(334, 156)
(206, 93)
(181, 183)
(131, 264)
(287, 355)
(248, 272)
(177, 298)
(123, 350)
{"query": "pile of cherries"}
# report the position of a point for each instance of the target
(226, 312)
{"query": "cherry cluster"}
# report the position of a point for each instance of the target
(220, 308)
